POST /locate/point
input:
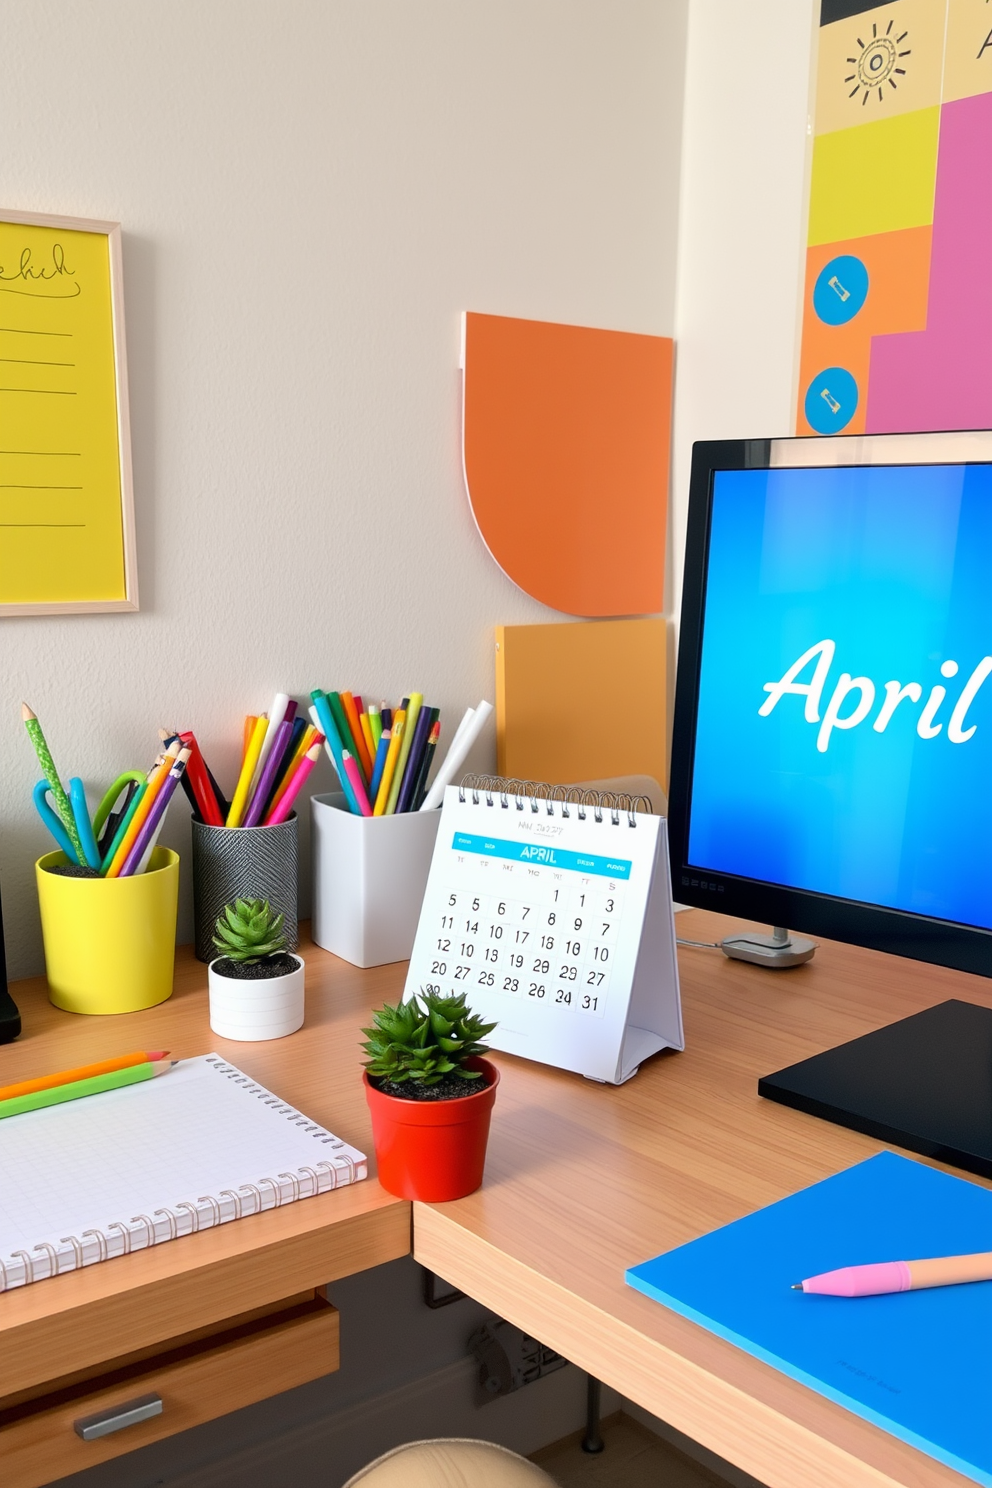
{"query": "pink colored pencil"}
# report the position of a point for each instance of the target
(354, 774)
(284, 805)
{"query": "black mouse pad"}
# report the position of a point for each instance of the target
(924, 1083)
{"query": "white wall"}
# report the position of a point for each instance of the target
(742, 230)
(311, 192)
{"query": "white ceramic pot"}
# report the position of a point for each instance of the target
(266, 1008)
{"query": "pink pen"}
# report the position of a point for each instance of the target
(899, 1276)
(357, 783)
(284, 805)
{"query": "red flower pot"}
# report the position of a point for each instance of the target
(433, 1150)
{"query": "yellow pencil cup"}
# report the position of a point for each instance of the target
(110, 943)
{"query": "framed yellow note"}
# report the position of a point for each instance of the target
(66, 500)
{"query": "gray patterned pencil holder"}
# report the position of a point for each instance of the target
(242, 863)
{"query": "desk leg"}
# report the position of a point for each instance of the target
(592, 1442)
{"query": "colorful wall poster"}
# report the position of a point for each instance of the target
(897, 305)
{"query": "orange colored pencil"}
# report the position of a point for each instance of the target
(156, 780)
(370, 745)
(84, 1072)
(361, 749)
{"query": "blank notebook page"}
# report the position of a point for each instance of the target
(116, 1172)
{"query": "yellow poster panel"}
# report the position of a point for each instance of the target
(66, 510)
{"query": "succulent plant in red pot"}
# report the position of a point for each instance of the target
(431, 1095)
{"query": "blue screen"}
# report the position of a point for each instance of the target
(844, 723)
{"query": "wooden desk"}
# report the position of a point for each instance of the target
(220, 1319)
(583, 1181)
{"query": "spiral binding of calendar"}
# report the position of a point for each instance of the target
(537, 795)
(186, 1216)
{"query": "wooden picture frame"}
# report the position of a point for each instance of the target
(67, 536)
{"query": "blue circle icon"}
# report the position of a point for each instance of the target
(840, 290)
(831, 400)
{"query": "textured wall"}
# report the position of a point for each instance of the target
(311, 192)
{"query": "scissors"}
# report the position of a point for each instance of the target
(53, 821)
(127, 784)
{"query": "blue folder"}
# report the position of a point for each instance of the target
(918, 1364)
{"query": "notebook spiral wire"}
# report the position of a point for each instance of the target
(320, 1177)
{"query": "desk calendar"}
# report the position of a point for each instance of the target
(553, 914)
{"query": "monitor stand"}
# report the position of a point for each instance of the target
(777, 951)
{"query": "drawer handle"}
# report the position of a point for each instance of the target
(91, 1428)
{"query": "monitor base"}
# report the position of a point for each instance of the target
(777, 951)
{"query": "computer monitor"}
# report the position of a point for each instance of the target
(832, 749)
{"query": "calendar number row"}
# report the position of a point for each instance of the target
(581, 998)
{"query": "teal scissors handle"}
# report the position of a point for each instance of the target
(80, 810)
(52, 820)
(107, 804)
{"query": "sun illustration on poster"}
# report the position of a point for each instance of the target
(877, 63)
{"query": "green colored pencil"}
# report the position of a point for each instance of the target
(56, 1094)
(62, 805)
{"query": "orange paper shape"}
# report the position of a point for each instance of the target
(565, 441)
(581, 702)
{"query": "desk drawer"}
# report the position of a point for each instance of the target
(196, 1382)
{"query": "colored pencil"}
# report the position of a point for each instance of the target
(341, 720)
(433, 715)
(81, 1072)
(285, 804)
(56, 1095)
(293, 748)
(116, 817)
(311, 736)
(385, 739)
(200, 783)
(240, 800)
(375, 727)
(386, 716)
(141, 847)
(360, 751)
(414, 705)
(125, 822)
(323, 717)
(277, 712)
(415, 754)
(62, 803)
(357, 784)
(368, 736)
(425, 768)
(246, 734)
(395, 744)
(156, 780)
(265, 778)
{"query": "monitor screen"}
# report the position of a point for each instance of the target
(833, 759)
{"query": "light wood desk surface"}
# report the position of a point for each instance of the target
(75, 1321)
(584, 1180)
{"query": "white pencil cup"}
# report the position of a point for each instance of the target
(369, 878)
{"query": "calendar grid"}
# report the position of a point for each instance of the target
(534, 910)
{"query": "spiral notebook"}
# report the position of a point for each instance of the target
(118, 1172)
(551, 909)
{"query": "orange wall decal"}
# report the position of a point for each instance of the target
(566, 695)
(565, 441)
